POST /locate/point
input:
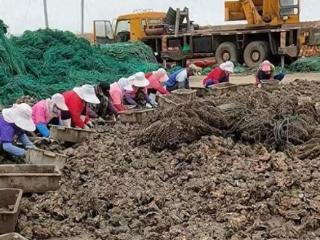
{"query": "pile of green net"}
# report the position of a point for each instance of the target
(41, 63)
(309, 64)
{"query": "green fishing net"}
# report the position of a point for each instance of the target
(43, 62)
(308, 64)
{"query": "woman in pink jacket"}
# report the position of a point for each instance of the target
(46, 110)
(117, 93)
(156, 82)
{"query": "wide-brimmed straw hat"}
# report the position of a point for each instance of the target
(58, 99)
(87, 94)
(161, 74)
(125, 84)
(140, 80)
(227, 66)
(20, 115)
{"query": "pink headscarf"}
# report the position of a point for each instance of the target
(266, 66)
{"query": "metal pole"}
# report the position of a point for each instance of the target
(177, 25)
(282, 61)
(82, 17)
(45, 13)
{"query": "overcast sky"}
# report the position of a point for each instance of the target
(23, 15)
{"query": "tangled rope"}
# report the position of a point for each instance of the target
(274, 119)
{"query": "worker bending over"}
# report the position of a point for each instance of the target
(219, 74)
(156, 80)
(13, 122)
(139, 96)
(77, 101)
(54, 111)
(105, 108)
(179, 79)
(266, 71)
(118, 91)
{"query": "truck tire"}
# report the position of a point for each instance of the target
(226, 51)
(255, 53)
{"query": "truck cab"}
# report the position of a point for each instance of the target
(129, 27)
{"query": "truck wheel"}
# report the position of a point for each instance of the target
(255, 53)
(226, 51)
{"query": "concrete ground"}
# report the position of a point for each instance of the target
(196, 81)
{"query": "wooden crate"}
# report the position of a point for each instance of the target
(134, 116)
(39, 156)
(73, 135)
(30, 178)
(8, 217)
(187, 95)
(168, 101)
(222, 88)
(270, 84)
(12, 236)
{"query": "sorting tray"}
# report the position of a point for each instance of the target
(187, 95)
(222, 88)
(12, 236)
(134, 116)
(169, 101)
(39, 156)
(73, 135)
(9, 209)
(270, 84)
(30, 178)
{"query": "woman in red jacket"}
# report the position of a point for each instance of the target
(219, 74)
(76, 100)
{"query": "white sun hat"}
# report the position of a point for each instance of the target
(20, 115)
(86, 92)
(161, 73)
(227, 66)
(132, 78)
(140, 80)
(125, 84)
(58, 99)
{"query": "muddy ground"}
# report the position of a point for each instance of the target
(214, 187)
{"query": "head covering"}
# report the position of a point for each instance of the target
(104, 87)
(87, 94)
(227, 66)
(125, 84)
(58, 100)
(140, 80)
(161, 74)
(20, 115)
(266, 66)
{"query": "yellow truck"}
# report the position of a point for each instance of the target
(128, 27)
(273, 30)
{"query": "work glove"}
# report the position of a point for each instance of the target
(86, 127)
(49, 140)
(148, 105)
(90, 124)
(155, 105)
(114, 118)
